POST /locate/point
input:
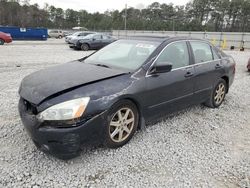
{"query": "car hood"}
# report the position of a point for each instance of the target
(42, 84)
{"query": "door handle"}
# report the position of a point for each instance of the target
(188, 74)
(217, 66)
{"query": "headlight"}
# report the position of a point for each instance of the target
(65, 111)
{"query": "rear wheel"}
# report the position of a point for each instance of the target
(84, 47)
(1, 42)
(60, 36)
(122, 122)
(218, 94)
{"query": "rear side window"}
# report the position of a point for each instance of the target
(176, 54)
(219, 52)
(202, 52)
(216, 56)
(105, 37)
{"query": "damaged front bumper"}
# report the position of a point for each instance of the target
(62, 142)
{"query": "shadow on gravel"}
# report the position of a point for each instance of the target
(92, 148)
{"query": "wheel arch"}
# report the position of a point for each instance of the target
(2, 39)
(138, 106)
(81, 43)
(226, 78)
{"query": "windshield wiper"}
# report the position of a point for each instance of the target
(102, 65)
(82, 59)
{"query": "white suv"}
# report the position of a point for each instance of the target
(56, 34)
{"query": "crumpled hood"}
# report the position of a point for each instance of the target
(42, 84)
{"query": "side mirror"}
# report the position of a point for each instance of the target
(162, 68)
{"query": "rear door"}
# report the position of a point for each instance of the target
(207, 69)
(106, 40)
(96, 42)
(167, 92)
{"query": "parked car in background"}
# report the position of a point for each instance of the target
(107, 96)
(92, 42)
(56, 34)
(75, 39)
(67, 33)
(5, 38)
(248, 65)
(76, 35)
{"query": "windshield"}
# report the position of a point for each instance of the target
(124, 54)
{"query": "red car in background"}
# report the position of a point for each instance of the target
(5, 38)
(248, 65)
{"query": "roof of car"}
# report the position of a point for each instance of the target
(159, 38)
(147, 38)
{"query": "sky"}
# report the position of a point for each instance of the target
(102, 5)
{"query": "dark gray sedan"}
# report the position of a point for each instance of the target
(92, 42)
(108, 95)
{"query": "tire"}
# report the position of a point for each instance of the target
(218, 94)
(60, 36)
(84, 47)
(1, 42)
(118, 132)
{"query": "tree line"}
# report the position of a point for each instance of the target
(196, 15)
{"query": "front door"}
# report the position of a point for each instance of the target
(168, 92)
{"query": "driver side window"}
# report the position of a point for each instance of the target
(176, 54)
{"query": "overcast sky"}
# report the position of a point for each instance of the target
(102, 5)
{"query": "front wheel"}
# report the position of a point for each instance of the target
(85, 47)
(122, 123)
(218, 94)
(1, 42)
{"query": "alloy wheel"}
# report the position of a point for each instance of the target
(121, 125)
(84, 47)
(219, 94)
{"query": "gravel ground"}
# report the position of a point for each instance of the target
(198, 147)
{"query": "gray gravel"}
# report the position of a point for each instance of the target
(198, 147)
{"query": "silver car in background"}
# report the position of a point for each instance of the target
(77, 35)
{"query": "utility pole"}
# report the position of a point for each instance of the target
(173, 25)
(125, 19)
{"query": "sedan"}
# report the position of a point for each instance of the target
(5, 38)
(92, 42)
(77, 35)
(107, 96)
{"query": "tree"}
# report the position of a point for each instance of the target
(196, 15)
